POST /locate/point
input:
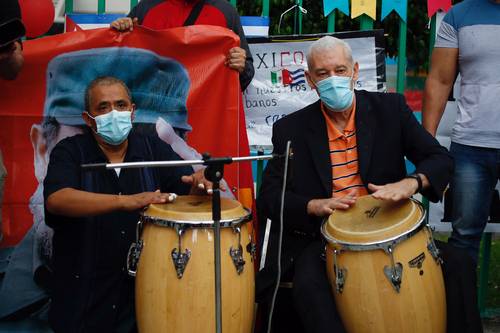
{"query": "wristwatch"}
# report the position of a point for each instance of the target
(417, 177)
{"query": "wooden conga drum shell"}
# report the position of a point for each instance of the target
(166, 303)
(368, 301)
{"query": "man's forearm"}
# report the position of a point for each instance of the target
(434, 103)
(76, 203)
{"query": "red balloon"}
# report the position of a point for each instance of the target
(37, 16)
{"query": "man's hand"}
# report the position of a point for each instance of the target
(403, 189)
(325, 207)
(199, 184)
(124, 24)
(140, 200)
(235, 59)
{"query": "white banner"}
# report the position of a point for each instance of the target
(279, 86)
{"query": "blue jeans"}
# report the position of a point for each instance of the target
(477, 171)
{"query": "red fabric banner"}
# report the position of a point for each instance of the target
(214, 107)
(434, 5)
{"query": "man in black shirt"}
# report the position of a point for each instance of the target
(94, 213)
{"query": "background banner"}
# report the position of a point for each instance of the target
(279, 86)
(212, 106)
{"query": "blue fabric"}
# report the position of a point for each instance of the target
(255, 21)
(400, 6)
(477, 171)
(159, 85)
(330, 5)
(94, 18)
(473, 12)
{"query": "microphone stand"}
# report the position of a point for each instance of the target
(214, 173)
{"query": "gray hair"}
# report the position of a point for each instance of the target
(105, 81)
(329, 43)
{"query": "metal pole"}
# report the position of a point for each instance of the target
(432, 37)
(365, 22)
(265, 8)
(400, 85)
(163, 164)
(299, 2)
(331, 21)
(216, 213)
(68, 6)
(101, 7)
(296, 18)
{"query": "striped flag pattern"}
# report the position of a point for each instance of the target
(286, 77)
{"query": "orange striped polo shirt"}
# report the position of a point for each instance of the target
(344, 157)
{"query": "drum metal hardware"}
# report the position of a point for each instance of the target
(196, 224)
(180, 258)
(384, 244)
(433, 249)
(237, 254)
(394, 273)
(252, 249)
(134, 251)
(340, 273)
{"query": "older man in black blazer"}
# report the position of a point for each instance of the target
(385, 132)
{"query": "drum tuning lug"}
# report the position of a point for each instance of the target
(340, 273)
(237, 256)
(433, 249)
(134, 252)
(180, 260)
(252, 249)
(394, 273)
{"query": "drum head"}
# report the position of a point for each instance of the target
(371, 220)
(194, 209)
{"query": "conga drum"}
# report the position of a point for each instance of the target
(384, 268)
(175, 283)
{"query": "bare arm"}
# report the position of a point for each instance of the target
(444, 65)
(76, 203)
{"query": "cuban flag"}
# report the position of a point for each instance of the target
(76, 22)
(285, 77)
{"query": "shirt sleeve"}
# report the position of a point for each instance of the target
(447, 36)
(63, 170)
(141, 9)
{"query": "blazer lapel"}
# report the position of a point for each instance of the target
(317, 142)
(365, 122)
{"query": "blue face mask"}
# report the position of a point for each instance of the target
(113, 126)
(336, 92)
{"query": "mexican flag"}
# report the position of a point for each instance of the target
(281, 77)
